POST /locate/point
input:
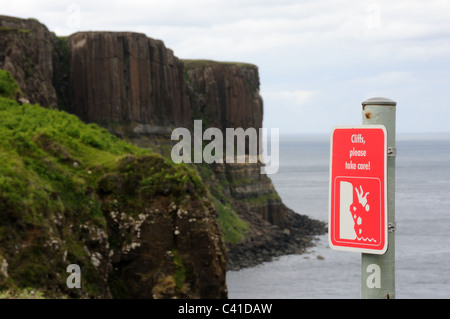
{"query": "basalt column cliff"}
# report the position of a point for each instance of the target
(137, 225)
(226, 95)
(139, 90)
(127, 78)
(27, 49)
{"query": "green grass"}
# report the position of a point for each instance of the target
(8, 86)
(262, 199)
(26, 293)
(51, 164)
(192, 64)
(9, 29)
(54, 167)
(234, 228)
(51, 148)
(180, 270)
(49, 154)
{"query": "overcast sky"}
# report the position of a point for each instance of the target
(318, 59)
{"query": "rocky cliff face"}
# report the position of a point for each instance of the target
(166, 241)
(126, 77)
(226, 95)
(26, 51)
(143, 228)
(136, 224)
(139, 90)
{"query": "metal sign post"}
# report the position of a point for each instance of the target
(378, 271)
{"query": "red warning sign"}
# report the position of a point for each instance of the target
(358, 189)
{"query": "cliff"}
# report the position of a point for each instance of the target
(26, 51)
(126, 77)
(71, 193)
(226, 95)
(140, 91)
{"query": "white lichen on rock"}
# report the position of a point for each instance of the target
(4, 267)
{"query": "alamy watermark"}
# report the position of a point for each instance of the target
(74, 280)
(73, 20)
(373, 20)
(235, 146)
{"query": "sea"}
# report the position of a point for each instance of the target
(422, 235)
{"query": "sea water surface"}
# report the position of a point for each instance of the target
(422, 236)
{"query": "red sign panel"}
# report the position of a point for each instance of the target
(358, 189)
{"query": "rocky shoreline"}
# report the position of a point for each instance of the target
(270, 242)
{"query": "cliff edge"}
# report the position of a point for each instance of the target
(137, 225)
(140, 91)
(226, 95)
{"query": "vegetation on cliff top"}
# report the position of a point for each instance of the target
(9, 88)
(52, 168)
(192, 64)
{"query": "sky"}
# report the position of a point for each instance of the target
(317, 59)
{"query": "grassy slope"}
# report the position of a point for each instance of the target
(191, 64)
(51, 164)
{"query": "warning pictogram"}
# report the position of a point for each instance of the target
(358, 206)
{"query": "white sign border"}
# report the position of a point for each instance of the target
(359, 249)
